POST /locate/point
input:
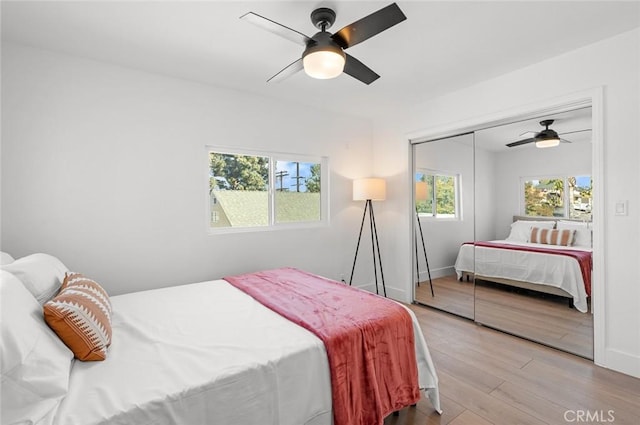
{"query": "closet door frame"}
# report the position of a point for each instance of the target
(594, 99)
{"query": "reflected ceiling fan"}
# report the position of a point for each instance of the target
(323, 56)
(546, 138)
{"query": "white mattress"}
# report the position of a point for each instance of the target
(559, 271)
(243, 364)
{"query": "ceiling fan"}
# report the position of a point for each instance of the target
(323, 56)
(546, 138)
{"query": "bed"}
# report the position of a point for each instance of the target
(550, 267)
(191, 354)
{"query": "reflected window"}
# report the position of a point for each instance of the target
(440, 197)
(565, 197)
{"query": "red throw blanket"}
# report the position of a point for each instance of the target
(584, 258)
(369, 339)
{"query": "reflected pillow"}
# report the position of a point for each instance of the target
(42, 274)
(583, 236)
(521, 229)
(552, 236)
(35, 364)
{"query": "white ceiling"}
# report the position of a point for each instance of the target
(441, 47)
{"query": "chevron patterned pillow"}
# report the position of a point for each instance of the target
(81, 317)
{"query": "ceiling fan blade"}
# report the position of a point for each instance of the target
(369, 26)
(276, 28)
(576, 131)
(287, 71)
(358, 70)
(520, 142)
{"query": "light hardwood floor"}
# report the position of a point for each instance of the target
(451, 295)
(543, 318)
(489, 377)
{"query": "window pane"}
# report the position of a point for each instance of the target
(544, 197)
(238, 189)
(425, 206)
(298, 189)
(446, 196)
(581, 199)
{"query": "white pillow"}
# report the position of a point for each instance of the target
(521, 229)
(583, 236)
(5, 258)
(42, 274)
(35, 364)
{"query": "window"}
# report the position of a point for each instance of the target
(568, 196)
(251, 190)
(442, 194)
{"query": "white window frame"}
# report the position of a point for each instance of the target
(457, 187)
(566, 192)
(271, 190)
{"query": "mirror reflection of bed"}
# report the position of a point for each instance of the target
(536, 282)
(528, 290)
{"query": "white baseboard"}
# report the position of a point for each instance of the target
(622, 362)
(436, 273)
(393, 293)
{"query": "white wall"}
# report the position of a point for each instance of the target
(105, 168)
(487, 202)
(612, 64)
(443, 237)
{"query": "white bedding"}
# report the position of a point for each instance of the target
(560, 271)
(243, 364)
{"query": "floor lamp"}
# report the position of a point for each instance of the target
(422, 191)
(371, 189)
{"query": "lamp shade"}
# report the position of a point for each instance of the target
(422, 191)
(370, 188)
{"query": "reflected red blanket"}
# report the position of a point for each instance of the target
(369, 339)
(584, 258)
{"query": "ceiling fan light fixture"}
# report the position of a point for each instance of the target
(547, 143)
(547, 138)
(323, 62)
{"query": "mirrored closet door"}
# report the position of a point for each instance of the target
(492, 209)
(529, 197)
(443, 206)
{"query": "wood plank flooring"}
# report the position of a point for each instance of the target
(543, 318)
(489, 377)
(450, 295)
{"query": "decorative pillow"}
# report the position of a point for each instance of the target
(5, 258)
(552, 236)
(42, 274)
(521, 229)
(35, 365)
(583, 236)
(81, 316)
